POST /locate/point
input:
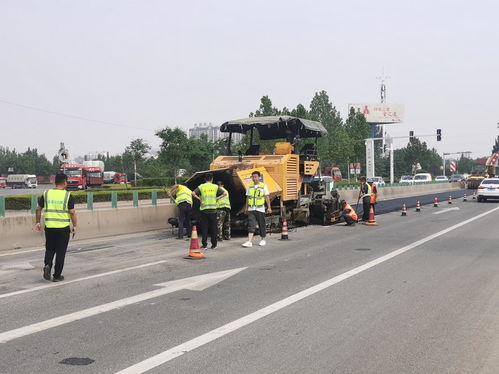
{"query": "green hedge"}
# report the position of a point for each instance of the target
(23, 202)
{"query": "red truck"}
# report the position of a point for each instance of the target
(3, 182)
(334, 172)
(120, 178)
(81, 177)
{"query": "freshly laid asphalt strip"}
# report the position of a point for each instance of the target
(392, 205)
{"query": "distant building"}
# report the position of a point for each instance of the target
(212, 132)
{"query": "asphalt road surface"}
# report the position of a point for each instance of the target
(415, 294)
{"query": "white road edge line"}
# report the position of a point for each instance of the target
(445, 210)
(212, 335)
(51, 285)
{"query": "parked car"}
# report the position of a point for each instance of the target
(441, 178)
(422, 178)
(406, 179)
(488, 189)
(456, 178)
(378, 181)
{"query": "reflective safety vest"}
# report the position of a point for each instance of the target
(369, 190)
(256, 195)
(183, 195)
(352, 213)
(56, 213)
(374, 194)
(208, 196)
(224, 202)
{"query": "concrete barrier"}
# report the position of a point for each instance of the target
(396, 192)
(17, 231)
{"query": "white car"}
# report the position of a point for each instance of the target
(488, 189)
(441, 178)
(422, 178)
(406, 179)
(378, 181)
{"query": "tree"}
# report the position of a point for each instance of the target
(336, 148)
(266, 108)
(174, 149)
(138, 148)
(358, 129)
(464, 165)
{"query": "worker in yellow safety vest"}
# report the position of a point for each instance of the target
(208, 195)
(59, 213)
(257, 195)
(183, 200)
(223, 214)
(365, 194)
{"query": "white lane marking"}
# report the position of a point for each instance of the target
(445, 210)
(51, 285)
(196, 283)
(74, 247)
(212, 335)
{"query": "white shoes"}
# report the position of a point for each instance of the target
(262, 243)
(248, 244)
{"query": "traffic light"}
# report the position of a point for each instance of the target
(439, 135)
(411, 136)
(384, 148)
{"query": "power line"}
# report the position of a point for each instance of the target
(73, 116)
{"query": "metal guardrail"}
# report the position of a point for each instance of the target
(90, 201)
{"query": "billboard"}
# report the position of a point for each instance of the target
(354, 168)
(380, 113)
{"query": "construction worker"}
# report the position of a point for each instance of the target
(365, 195)
(348, 213)
(374, 194)
(208, 194)
(223, 214)
(257, 196)
(183, 199)
(58, 216)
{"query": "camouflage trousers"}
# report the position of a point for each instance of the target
(223, 222)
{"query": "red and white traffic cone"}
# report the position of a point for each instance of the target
(418, 206)
(194, 250)
(474, 195)
(284, 231)
(404, 209)
(435, 202)
(465, 198)
(450, 200)
(372, 220)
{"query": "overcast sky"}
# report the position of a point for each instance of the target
(148, 64)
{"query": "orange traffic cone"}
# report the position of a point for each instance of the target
(474, 195)
(284, 232)
(418, 206)
(194, 251)
(450, 199)
(435, 202)
(404, 209)
(371, 221)
(465, 198)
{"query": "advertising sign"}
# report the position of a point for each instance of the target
(354, 168)
(380, 113)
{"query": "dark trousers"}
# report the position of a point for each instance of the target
(254, 218)
(184, 220)
(349, 220)
(209, 225)
(366, 206)
(56, 244)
